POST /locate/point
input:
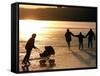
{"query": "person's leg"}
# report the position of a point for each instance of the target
(28, 55)
(25, 57)
(82, 44)
(91, 44)
(68, 42)
(79, 45)
(88, 43)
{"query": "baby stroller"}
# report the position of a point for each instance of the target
(47, 56)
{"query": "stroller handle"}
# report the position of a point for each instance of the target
(38, 50)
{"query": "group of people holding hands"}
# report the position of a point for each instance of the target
(80, 36)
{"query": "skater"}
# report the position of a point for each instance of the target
(28, 47)
(80, 37)
(91, 36)
(68, 35)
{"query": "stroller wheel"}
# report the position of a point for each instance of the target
(42, 63)
(52, 62)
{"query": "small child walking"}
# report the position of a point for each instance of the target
(80, 38)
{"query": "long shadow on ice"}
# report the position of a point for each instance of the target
(81, 58)
(91, 53)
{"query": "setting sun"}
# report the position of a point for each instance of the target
(27, 27)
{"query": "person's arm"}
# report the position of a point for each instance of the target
(34, 47)
(72, 34)
(34, 44)
(76, 35)
(87, 34)
(84, 36)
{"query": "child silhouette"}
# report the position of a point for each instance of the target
(80, 38)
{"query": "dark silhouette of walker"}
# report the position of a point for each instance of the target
(28, 47)
(68, 35)
(80, 37)
(91, 36)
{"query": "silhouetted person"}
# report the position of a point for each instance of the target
(80, 37)
(68, 35)
(91, 36)
(28, 47)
